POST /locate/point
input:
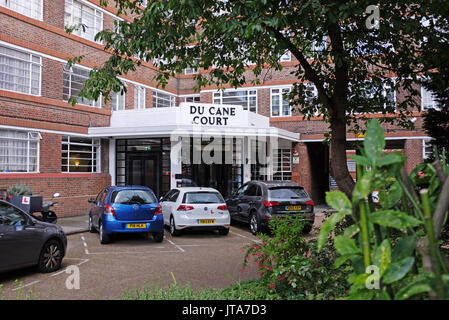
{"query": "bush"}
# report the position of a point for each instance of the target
(290, 268)
(19, 190)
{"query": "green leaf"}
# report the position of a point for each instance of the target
(391, 197)
(339, 201)
(346, 246)
(404, 248)
(328, 226)
(362, 188)
(390, 158)
(419, 285)
(374, 142)
(383, 256)
(364, 161)
(351, 231)
(393, 219)
(397, 270)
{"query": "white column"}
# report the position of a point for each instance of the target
(112, 162)
(246, 160)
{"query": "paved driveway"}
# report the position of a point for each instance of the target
(106, 271)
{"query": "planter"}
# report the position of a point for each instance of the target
(29, 204)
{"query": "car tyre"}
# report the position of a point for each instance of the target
(173, 231)
(307, 228)
(51, 256)
(223, 232)
(104, 237)
(91, 225)
(158, 236)
(254, 223)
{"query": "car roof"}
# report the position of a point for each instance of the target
(128, 187)
(274, 183)
(190, 189)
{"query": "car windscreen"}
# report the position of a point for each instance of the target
(287, 193)
(133, 197)
(202, 197)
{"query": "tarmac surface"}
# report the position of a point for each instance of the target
(92, 271)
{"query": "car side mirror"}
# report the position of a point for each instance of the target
(91, 200)
(161, 199)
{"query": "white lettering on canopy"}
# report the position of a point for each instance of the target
(204, 114)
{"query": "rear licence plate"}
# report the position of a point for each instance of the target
(206, 221)
(293, 208)
(136, 226)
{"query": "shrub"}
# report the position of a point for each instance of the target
(19, 190)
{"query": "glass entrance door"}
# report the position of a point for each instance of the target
(144, 170)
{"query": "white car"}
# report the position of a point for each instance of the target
(195, 208)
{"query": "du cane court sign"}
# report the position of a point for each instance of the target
(214, 115)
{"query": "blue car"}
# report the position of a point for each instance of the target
(124, 209)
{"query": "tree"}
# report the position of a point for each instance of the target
(343, 51)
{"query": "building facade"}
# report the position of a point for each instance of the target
(50, 145)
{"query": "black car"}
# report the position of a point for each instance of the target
(256, 202)
(26, 241)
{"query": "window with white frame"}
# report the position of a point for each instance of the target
(80, 154)
(29, 8)
(20, 71)
(283, 170)
(246, 98)
(192, 70)
(195, 99)
(139, 97)
(427, 149)
(280, 104)
(118, 101)
(428, 100)
(19, 151)
(73, 80)
(87, 20)
(163, 100)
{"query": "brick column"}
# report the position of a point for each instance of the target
(302, 171)
(413, 150)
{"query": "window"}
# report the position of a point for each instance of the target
(19, 151)
(280, 104)
(73, 80)
(427, 152)
(80, 154)
(10, 216)
(20, 71)
(118, 101)
(30, 8)
(162, 100)
(195, 99)
(192, 70)
(283, 170)
(87, 20)
(246, 98)
(251, 191)
(139, 97)
(428, 100)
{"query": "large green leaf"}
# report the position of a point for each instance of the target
(328, 226)
(362, 160)
(397, 270)
(383, 256)
(339, 201)
(391, 197)
(374, 142)
(390, 158)
(362, 188)
(420, 285)
(346, 246)
(394, 219)
(404, 248)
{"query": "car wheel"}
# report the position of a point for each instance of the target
(91, 225)
(173, 231)
(51, 256)
(254, 223)
(104, 237)
(307, 228)
(158, 236)
(223, 232)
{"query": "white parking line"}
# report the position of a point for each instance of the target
(178, 247)
(85, 245)
(242, 236)
(26, 285)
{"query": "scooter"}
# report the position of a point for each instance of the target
(47, 214)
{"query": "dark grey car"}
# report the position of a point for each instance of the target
(256, 202)
(26, 241)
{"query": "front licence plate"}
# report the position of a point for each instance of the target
(293, 208)
(136, 226)
(206, 221)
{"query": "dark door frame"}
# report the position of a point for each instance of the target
(147, 155)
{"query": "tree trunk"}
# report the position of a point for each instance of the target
(338, 163)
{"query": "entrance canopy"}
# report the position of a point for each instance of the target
(191, 119)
